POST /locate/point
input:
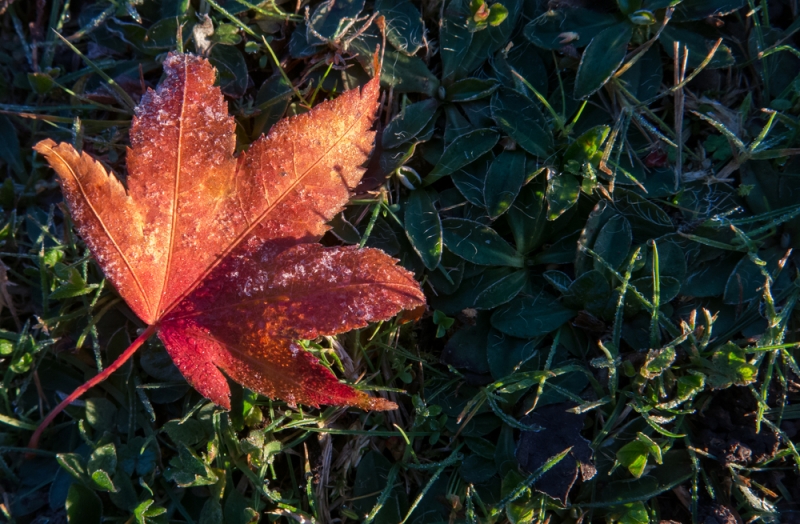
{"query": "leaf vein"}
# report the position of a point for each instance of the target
(270, 207)
(175, 190)
(400, 288)
(103, 225)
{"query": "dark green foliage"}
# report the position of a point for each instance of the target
(526, 172)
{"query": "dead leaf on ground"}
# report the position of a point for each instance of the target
(219, 253)
(561, 429)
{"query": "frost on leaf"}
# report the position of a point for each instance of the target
(220, 252)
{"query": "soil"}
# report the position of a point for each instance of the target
(727, 430)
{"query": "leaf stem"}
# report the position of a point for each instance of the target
(92, 382)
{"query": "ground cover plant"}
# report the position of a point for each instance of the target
(598, 199)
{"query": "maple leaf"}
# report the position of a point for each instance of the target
(218, 254)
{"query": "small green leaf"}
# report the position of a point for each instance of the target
(470, 289)
(647, 219)
(481, 446)
(405, 74)
(231, 69)
(528, 216)
(227, 34)
(601, 58)
(589, 291)
(102, 463)
(21, 363)
(630, 513)
(462, 151)
(562, 193)
(501, 290)
(470, 180)
(162, 35)
(447, 277)
(53, 256)
(586, 148)
(529, 317)
(633, 456)
(729, 367)
(188, 432)
(41, 83)
(83, 506)
(670, 288)
(658, 361)
(272, 99)
(642, 17)
(558, 279)
(465, 46)
(677, 468)
(103, 481)
(393, 159)
(331, 19)
(409, 123)
(409, 177)
(404, 27)
(424, 228)
(188, 469)
(504, 354)
(576, 27)
(145, 510)
(74, 286)
(745, 283)
(470, 89)
(690, 385)
(74, 464)
(442, 322)
(505, 178)
(653, 448)
(211, 512)
(237, 509)
(613, 242)
(137, 456)
(100, 413)
(518, 116)
(497, 15)
(479, 244)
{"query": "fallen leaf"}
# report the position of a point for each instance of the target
(561, 429)
(218, 254)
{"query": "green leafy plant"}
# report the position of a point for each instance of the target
(484, 16)
(600, 202)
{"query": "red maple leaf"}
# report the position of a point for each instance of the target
(218, 254)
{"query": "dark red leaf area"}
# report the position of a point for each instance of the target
(244, 319)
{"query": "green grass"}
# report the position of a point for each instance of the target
(605, 228)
